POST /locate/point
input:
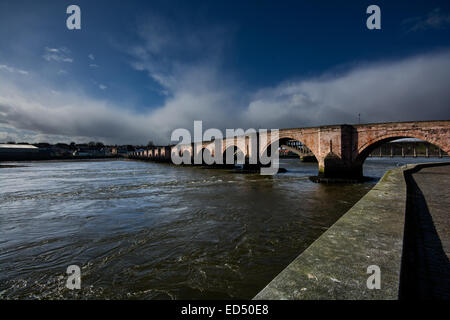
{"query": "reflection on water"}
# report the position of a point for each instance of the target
(155, 231)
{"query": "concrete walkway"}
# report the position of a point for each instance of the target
(426, 271)
(335, 265)
(402, 226)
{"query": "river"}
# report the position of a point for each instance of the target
(142, 230)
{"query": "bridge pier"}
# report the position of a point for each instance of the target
(334, 168)
(341, 172)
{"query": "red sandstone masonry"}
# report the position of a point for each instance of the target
(339, 149)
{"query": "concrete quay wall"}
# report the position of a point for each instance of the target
(370, 233)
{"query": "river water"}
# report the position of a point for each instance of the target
(141, 230)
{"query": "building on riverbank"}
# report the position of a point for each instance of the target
(11, 152)
(408, 148)
(59, 151)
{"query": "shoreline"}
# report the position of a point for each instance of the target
(6, 164)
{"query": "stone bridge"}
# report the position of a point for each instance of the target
(340, 150)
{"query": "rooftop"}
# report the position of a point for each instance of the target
(18, 146)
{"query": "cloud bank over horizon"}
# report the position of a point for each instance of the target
(188, 65)
(415, 88)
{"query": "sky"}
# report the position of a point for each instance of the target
(137, 70)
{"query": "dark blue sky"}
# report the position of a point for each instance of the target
(151, 58)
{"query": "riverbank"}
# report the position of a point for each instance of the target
(372, 232)
(12, 164)
(60, 158)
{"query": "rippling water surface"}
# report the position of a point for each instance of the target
(155, 231)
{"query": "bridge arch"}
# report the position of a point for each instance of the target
(365, 149)
(282, 141)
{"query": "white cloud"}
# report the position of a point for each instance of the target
(187, 64)
(168, 51)
(33, 109)
(93, 65)
(409, 89)
(57, 54)
(415, 88)
(91, 56)
(12, 69)
(433, 20)
(8, 133)
(102, 86)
